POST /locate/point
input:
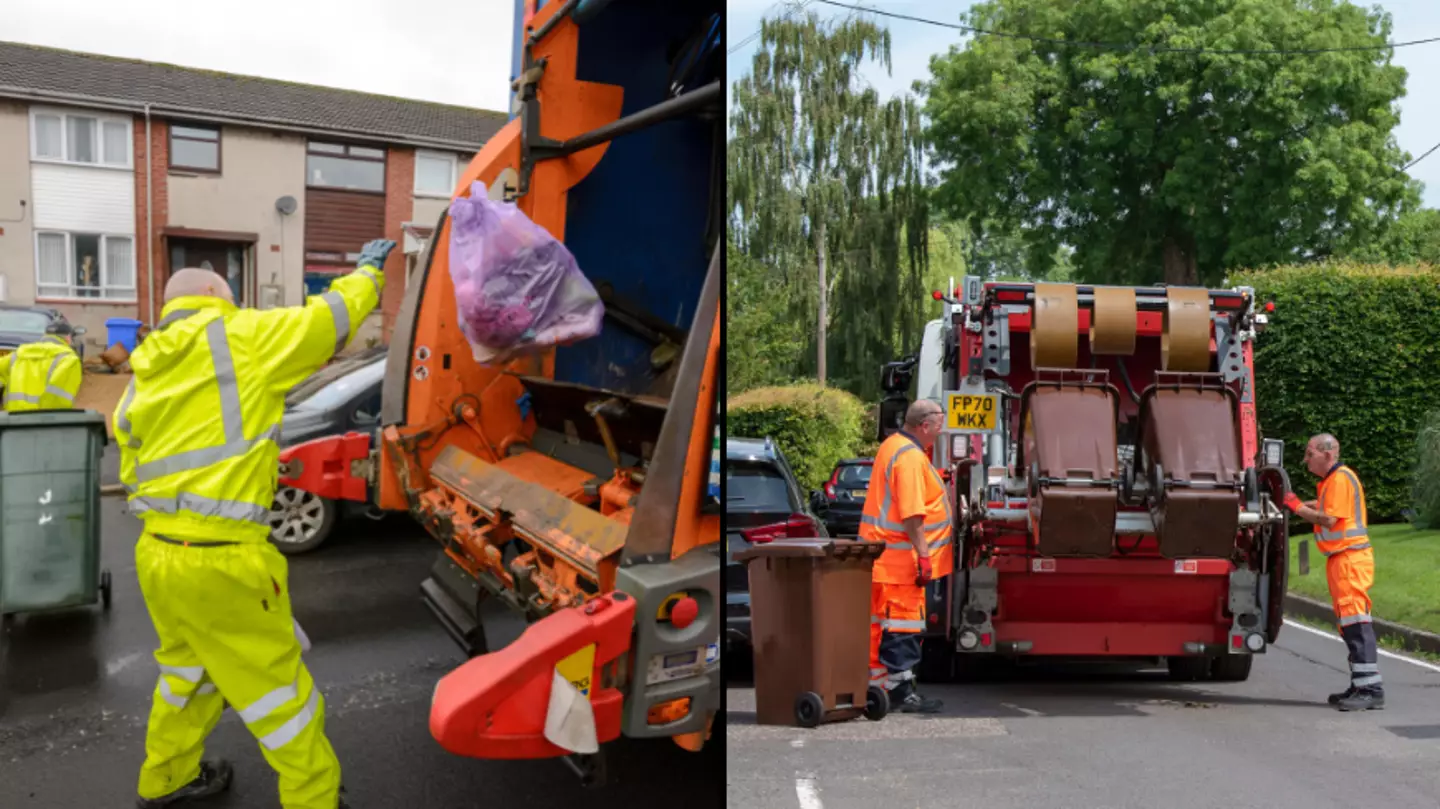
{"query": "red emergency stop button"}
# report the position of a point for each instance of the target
(684, 612)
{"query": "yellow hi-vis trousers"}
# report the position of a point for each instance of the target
(227, 637)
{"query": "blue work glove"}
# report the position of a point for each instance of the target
(374, 252)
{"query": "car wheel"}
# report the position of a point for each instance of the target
(300, 521)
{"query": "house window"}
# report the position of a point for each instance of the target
(84, 265)
(349, 168)
(195, 148)
(80, 138)
(434, 174)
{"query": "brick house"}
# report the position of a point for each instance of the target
(115, 172)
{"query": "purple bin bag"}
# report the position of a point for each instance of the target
(518, 289)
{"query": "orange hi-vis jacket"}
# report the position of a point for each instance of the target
(906, 485)
(1340, 495)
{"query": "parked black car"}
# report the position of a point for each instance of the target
(763, 502)
(841, 501)
(26, 324)
(339, 398)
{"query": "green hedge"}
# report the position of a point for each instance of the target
(814, 426)
(1425, 495)
(1352, 350)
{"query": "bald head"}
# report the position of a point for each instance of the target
(920, 411)
(191, 282)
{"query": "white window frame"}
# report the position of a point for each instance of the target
(454, 173)
(129, 295)
(100, 120)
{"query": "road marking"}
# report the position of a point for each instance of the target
(797, 743)
(1026, 711)
(114, 667)
(807, 792)
(1312, 630)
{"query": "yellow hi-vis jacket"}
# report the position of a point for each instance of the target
(43, 375)
(198, 425)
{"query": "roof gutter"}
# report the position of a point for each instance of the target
(198, 115)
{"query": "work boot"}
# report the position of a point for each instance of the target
(1364, 699)
(214, 778)
(1346, 694)
(914, 703)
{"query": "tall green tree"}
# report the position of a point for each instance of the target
(765, 342)
(824, 174)
(1162, 165)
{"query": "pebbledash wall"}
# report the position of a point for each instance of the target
(119, 201)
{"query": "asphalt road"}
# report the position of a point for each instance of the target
(76, 693)
(1081, 739)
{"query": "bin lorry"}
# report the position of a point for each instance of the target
(578, 486)
(1115, 496)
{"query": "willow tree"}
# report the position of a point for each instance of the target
(1165, 139)
(824, 174)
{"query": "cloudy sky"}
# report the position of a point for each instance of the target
(450, 51)
(912, 45)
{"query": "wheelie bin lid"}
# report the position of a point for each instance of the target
(814, 548)
(52, 418)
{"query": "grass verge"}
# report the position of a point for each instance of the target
(1406, 590)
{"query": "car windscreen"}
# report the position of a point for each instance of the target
(336, 388)
(19, 321)
(854, 475)
(755, 487)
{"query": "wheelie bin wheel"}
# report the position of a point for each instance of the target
(105, 590)
(877, 703)
(809, 708)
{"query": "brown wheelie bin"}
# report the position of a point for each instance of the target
(810, 624)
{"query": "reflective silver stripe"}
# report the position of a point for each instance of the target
(877, 671)
(170, 696)
(1359, 529)
(208, 688)
(287, 732)
(1373, 679)
(122, 418)
(224, 363)
(1351, 620)
(341, 316)
(21, 397)
(178, 314)
(266, 705)
(1362, 546)
(201, 458)
(897, 544)
(204, 506)
(875, 619)
(1365, 668)
(190, 674)
(897, 624)
(50, 374)
(374, 282)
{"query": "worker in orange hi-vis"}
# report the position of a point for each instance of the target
(1341, 533)
(908, 508)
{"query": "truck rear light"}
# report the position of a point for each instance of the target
(985, 639)
(1237, 641)
(934, 618)
(1254, 642)
(969, 640)
(798, 526)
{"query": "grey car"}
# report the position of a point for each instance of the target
(339, 398)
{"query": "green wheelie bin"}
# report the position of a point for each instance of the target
(50, 511)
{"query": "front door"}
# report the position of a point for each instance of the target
(225, 258)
